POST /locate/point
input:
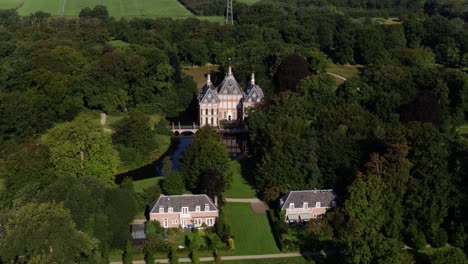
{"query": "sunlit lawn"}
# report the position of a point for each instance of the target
(10, 4)
(140, 185)
(240, 188)
(251, 230)
(248, 2)
(198, 73)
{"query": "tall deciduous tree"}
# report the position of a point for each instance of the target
(205, 152)
(82, 148)
(44, 233)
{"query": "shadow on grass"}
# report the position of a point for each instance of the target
(247, 171)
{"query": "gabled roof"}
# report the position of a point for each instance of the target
(229, 85)
(325, 197)
(179, 201)
(208, 94)
(254, 94)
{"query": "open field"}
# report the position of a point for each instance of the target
(117, 8)
(199, 73)
(294, 260)
(248, 2)
(463, 129)
(10, 4)
(346, 71)
(252, 233)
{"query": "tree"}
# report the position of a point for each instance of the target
(127, 256)
(290, 72)
(448, 255)
(205, 152)
(136, 132)
(173, 183)
(44, 231)
(82, 148)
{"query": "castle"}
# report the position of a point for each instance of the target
(227, 102)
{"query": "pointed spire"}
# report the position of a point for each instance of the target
(252, 79)
(230, 71)
(208, 79)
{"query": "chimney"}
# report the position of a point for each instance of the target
(252, 79)
(216, 200)
(208, 79)
(230, 71)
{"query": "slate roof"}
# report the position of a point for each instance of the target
(254, 94)
(179, 201)
(229, 85)
(325, 197)
(208, 94)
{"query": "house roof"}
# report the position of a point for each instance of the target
(208, 94)
(254, 93)
(179, 201)
(325, 197)
(229, 85)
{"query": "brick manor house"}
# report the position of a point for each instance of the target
(227, 102)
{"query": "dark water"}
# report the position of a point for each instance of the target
(237, 146)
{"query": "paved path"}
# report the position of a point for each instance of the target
(239, 200)
(337, 76)
(205, 259)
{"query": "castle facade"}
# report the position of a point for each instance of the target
(227, 102)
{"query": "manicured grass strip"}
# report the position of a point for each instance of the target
(240, 188)
(118, 43)
(140, 185)
(252, 231)
(116, 8)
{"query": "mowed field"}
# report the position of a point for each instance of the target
(117, 8)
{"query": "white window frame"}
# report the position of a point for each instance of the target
(209, 221)
(197, 208)
(175, 221)
(170, 210)
(291, 205)
(161, 209)
(166, 223)
(318, 204)
(185, 210)
(207, 207)
(306, 205)
(197, 221)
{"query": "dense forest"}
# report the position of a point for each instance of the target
(386, 140)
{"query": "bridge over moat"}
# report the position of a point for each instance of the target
(178, 129)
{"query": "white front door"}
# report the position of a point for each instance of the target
(183, 223)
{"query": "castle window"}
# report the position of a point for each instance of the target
(212, 111)
(206, 121)
(212, 119)
(206, 111)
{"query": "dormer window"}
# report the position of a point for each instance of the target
(197, 208)
(207, 207)
(161, 209)
(170, 210)
(291, 205)
(305, 205)
(318, 205)
(185, 210)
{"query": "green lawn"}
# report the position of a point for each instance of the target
(117, 8)
(9, 4)
(252, 233)
(240, 188)
(463, 129)
(140, 185)
(118, 43)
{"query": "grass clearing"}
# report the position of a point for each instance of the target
(252, 232)
(10, 4)
(346, 71)
(117, 8)
(240, 186)
(199, 73)
(463, 129)
(118, 43)
(293, 260)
